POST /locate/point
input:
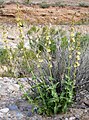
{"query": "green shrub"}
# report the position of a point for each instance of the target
(51, 60)
(28, 1)
(52, 85)
(44, 5)
(2, 1)
(83, 4)
(59, 4)
(84, 40)
(47, 5)
(3, 56)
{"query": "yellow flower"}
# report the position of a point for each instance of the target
(50, 65)
(70, 56)
(71, 49)
(37, 55)
(37, 40)
(49, 42)
(47, 37)
(72, 40)
(76, 64)
(45, 44)
(78, 53)
(38, 66)
(78, 57)
(39, 51)
(48, 50)
(22, 56)
(72, 34)
(10, 57)
(21, 31)
(40, 60)
(78, 43)
(49, 58)
(72, 28)
(22, 49)
(5, 41)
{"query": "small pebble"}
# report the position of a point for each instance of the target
(11, 88)
(77, 118)
(16, 87)
(28, 108)
(19, 115)
(13, 107)
(85, 111)
(29, 114)
(66, 119)
(1, 115)
(72, 118)
(4, 110)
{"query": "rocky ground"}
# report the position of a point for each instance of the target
(33, 14)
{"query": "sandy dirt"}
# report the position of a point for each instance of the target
(33, 14)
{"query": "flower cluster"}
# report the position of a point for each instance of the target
(39, 59)
(74, 48)
(47, 46)
(47, 50)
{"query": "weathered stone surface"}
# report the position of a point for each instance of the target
(4, 110)
(1, 115)
(72, 118)
(13, 107)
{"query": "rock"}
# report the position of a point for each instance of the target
(29, 114)
(77, 118)
(86, 102)
(66, 119)
(72, 118)
(16, 87)
(11, 88)
(1, 115)
(86, 111)
(13, 107)
(19, 115)
(36, 117)
(4, 110)
(27, 108)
